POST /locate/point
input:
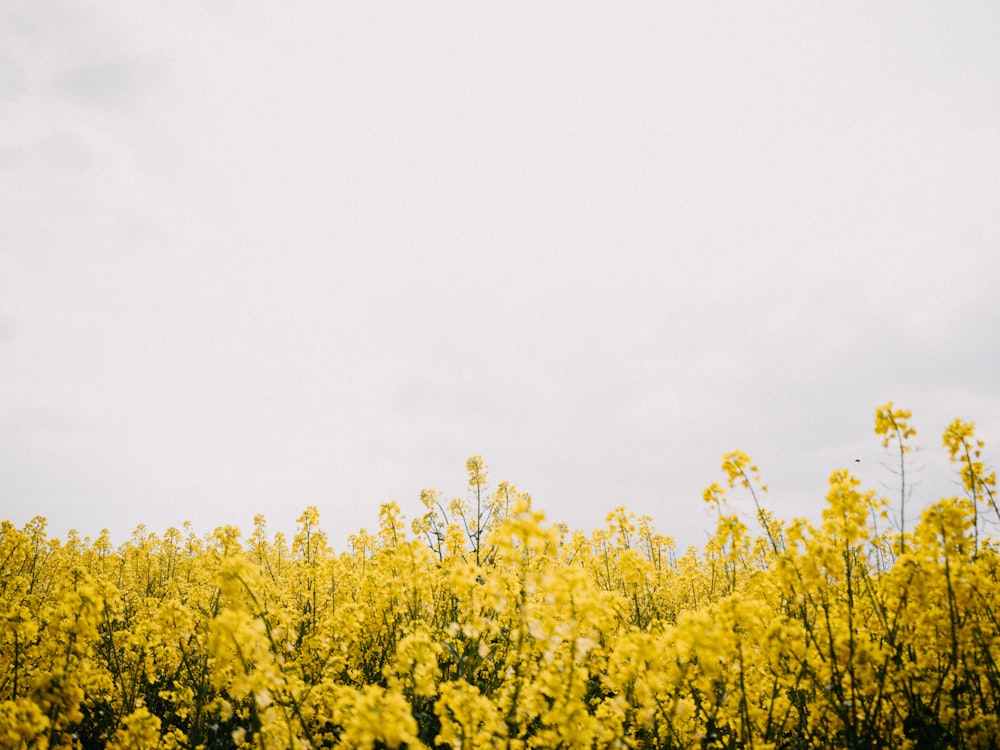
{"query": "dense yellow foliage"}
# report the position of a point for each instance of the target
(482, 625)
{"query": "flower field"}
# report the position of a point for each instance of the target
(481, 625)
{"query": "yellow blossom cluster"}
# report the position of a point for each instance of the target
(482, 625)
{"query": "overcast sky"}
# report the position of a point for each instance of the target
(255, 257)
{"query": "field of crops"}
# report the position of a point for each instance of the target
(482, 625)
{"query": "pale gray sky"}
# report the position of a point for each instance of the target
(254, 258)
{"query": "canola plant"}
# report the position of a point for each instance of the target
(481, 625)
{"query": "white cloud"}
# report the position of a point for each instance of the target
(263, 259)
